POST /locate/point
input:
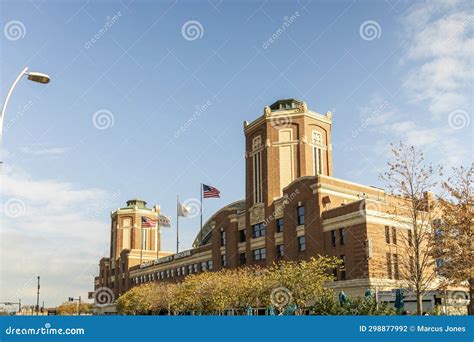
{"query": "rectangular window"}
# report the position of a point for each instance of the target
(300, 213)
(144, 232)
(410, 238)
(343, 271)
(333, 238)
(318, 161)
(167, 273)
(342, 236)
(258, 230)
(279, 251)
(190, 269)
(242, 258)
(223, 240)
(203, 265)
(279, 225)
(178, 271)
(209, 265)
(395, 266)
(394, 235)
(257, 177)
(195, 268)
(301, 243)
(259, 254)
(242, 235)
(389, 265)
(387, 234)
(223, 260)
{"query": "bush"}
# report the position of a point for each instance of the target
(329, 305)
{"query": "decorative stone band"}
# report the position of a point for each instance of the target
(370, 217)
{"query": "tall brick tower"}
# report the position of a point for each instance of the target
(287, 142)
(127, 233)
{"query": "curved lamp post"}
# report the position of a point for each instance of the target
(32, 76)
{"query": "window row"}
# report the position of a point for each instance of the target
(260, 229)
(171, 273)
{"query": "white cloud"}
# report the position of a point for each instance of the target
(60, 232)
(439, 37)
(436, 73)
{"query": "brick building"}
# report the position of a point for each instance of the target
(293, 209)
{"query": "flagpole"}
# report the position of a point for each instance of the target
(158, 239)
(177, 224)
(156, 235)
(200, 232)
(158, 232)
(141, 243)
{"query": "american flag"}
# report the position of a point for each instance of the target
(148, 222)
(209, 191)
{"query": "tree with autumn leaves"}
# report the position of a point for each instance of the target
(283, 284)
(437, 245)
(70, 308)
(411, 182)
(455, 234)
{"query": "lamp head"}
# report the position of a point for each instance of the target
(38, 77)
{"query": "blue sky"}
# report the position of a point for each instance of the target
(388, 71)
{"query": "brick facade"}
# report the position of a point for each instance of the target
(288, 167)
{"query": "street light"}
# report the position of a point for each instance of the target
(38, 77)
(72, 299)
(32, 76)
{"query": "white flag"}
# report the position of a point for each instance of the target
(183, 210)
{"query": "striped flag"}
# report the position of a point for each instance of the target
(148, 222)
(165, 221)
(210, 191)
